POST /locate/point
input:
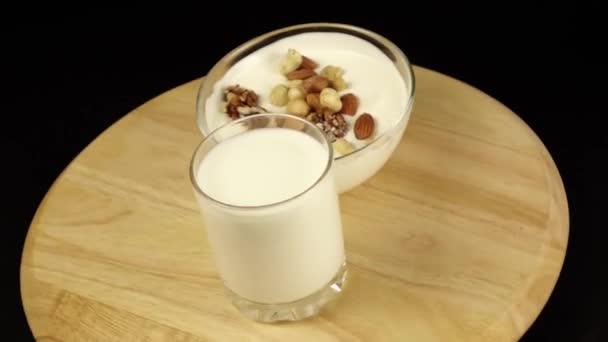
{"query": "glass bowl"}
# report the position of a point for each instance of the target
(364, 161)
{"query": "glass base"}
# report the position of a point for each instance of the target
(293, 311)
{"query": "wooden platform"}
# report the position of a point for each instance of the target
(460, 237)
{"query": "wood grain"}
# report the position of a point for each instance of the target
(460, 237)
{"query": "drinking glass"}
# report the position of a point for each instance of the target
(280, 261)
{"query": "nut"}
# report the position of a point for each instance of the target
(231, 97)
(247, 110)
(315, 84)
(313, 117)
(278, 95)
(343, 146)
(314, 101)
(327, 114)
(291, 61)
(330, 99)
(334, 75)
(308, 63)
(240, 101)
(350, 103)
(300, 74)
(298, 107)
(295, 93)
(332, 124)
(294, 83)
(332, 72)
(339, 84)
(364, 126)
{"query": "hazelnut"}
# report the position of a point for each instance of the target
(295, 93)
(291, 61)
(343, 146)
(294, 83)
(298, 107)
(332, 72)
(334, 75)
(278, 95)
(339, 84)
(330, 99)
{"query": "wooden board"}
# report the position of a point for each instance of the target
(460, 237)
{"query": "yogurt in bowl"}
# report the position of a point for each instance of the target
(355, 85)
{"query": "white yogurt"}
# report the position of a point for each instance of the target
(370, 75)
(280, 253)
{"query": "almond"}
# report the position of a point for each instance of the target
(315, 83)
(364, 126)
(308, 63)
(350, 103)
(314, 101)
(300, 74)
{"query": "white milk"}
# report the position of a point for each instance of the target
(370, 75)
(278, 253)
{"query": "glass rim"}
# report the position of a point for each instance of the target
(356, 30)
(322, 176)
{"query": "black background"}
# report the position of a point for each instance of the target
(69, 77)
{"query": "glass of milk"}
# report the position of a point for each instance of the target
(270, 208)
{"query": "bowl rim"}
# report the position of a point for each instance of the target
(349, 29)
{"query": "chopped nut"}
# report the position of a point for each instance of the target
(327, 114)
(295, 93)
(313, 117)
(343, 146)
(330, 99)
(291, 61)
(246, 110)
(298, 107)
(241, 101)
(238, 93)
(332, 124)
(315, 84)
(338, 125)
(278, 95)
(231, 97)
